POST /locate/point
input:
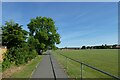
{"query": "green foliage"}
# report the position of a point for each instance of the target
(21, 49)
(18, 56)
(0, 36)
(83, 47)
(44, 30)
(6, 64)
(13, 34)
(102, 47)
(33, 42)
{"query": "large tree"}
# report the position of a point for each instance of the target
(44, 29)
(13, 34)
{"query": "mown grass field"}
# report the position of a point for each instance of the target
(104, 59)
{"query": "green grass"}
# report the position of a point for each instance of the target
(28, 69)
(104, 59)
(0, 67)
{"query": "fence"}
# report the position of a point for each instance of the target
(89, 66)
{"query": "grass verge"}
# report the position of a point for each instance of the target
(27, 70)
(0, 67)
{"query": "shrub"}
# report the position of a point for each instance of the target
(6, 64)
(18, 56)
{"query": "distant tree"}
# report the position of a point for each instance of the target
(0, 36)
(102, 47)
(44, 30)
(114, 46)
(83, 47)
(88, 47)
(13, 34)
(107, 47)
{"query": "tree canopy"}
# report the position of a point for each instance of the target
(15, 38)
(44, 30)
(13, 35)
(0, 36)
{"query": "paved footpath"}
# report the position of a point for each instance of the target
(49, 68)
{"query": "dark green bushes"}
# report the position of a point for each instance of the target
(18, 56)
(19, 49)
(6, 64)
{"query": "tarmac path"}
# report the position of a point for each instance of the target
(49, 68)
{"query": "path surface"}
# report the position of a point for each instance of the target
(49, 68)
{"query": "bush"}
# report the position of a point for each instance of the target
(33, 54)
(6, 64)
(18, 56)
(8, 59)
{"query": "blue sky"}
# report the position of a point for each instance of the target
(79, 23)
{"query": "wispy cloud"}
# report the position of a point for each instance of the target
(99, 40)
(78, 23)
(73, 35)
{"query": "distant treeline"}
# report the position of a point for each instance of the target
(102, 47)
(94, 47)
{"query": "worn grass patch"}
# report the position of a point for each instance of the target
(104, 59)
(28, 69)
(0, 70)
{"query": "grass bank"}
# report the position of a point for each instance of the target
(0, 67)
(27, 69)
(104, 59)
